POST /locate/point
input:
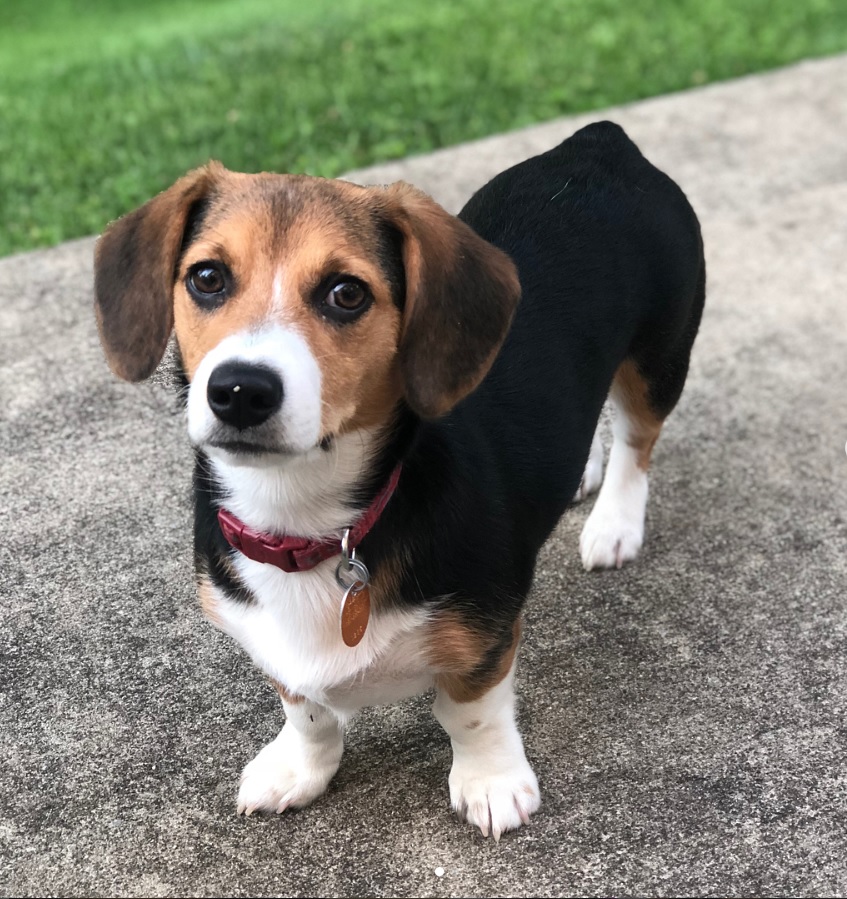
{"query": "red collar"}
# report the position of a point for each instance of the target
(301, 553)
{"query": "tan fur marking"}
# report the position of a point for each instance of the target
(360, 377)
(631, 391)
(285, 694)
(208, 602)
(240, 242)
(457, 652)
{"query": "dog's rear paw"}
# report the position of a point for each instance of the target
(614, 532)
(497, 802)
(283, 776)
(609, 540)
(592, 477)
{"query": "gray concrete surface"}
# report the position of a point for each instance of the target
(685, 715)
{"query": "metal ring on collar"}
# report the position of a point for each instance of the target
(361, 575)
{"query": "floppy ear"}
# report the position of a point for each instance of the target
(461, 294)
(134, 269)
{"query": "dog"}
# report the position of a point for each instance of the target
(391, 409)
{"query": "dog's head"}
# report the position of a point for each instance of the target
(303, 308)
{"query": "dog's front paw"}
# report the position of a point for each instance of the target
(286, 773)
(494, 801)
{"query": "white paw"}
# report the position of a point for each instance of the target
(494, 802)
(610, 538)
(592, 477)
(285, 773)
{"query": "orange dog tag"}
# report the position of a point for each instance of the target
(355, 611)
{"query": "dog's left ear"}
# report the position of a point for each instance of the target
(461, 295)
(134, 270)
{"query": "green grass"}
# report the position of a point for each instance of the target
(105, 102)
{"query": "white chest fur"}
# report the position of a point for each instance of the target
(293, 629)
(293, 633)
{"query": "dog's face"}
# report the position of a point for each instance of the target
(288, 293)
(303, 308)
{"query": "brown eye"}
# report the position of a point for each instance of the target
(347, 295)
(208, 282)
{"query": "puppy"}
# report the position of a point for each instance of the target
(391, 408)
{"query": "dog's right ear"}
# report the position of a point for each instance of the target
(134, 269)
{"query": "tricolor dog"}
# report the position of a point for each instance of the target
(391, 408)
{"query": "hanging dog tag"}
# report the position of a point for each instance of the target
(352, 574)
(355, 611)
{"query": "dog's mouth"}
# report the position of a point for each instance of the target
(250, 449)
(254, 451)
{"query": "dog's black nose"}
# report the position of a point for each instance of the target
(244, 395)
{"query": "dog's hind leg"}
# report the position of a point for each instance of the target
(645, 389)
(592, 477)
(614, 531)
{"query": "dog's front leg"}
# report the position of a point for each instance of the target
(491, 782)
(296, 767)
